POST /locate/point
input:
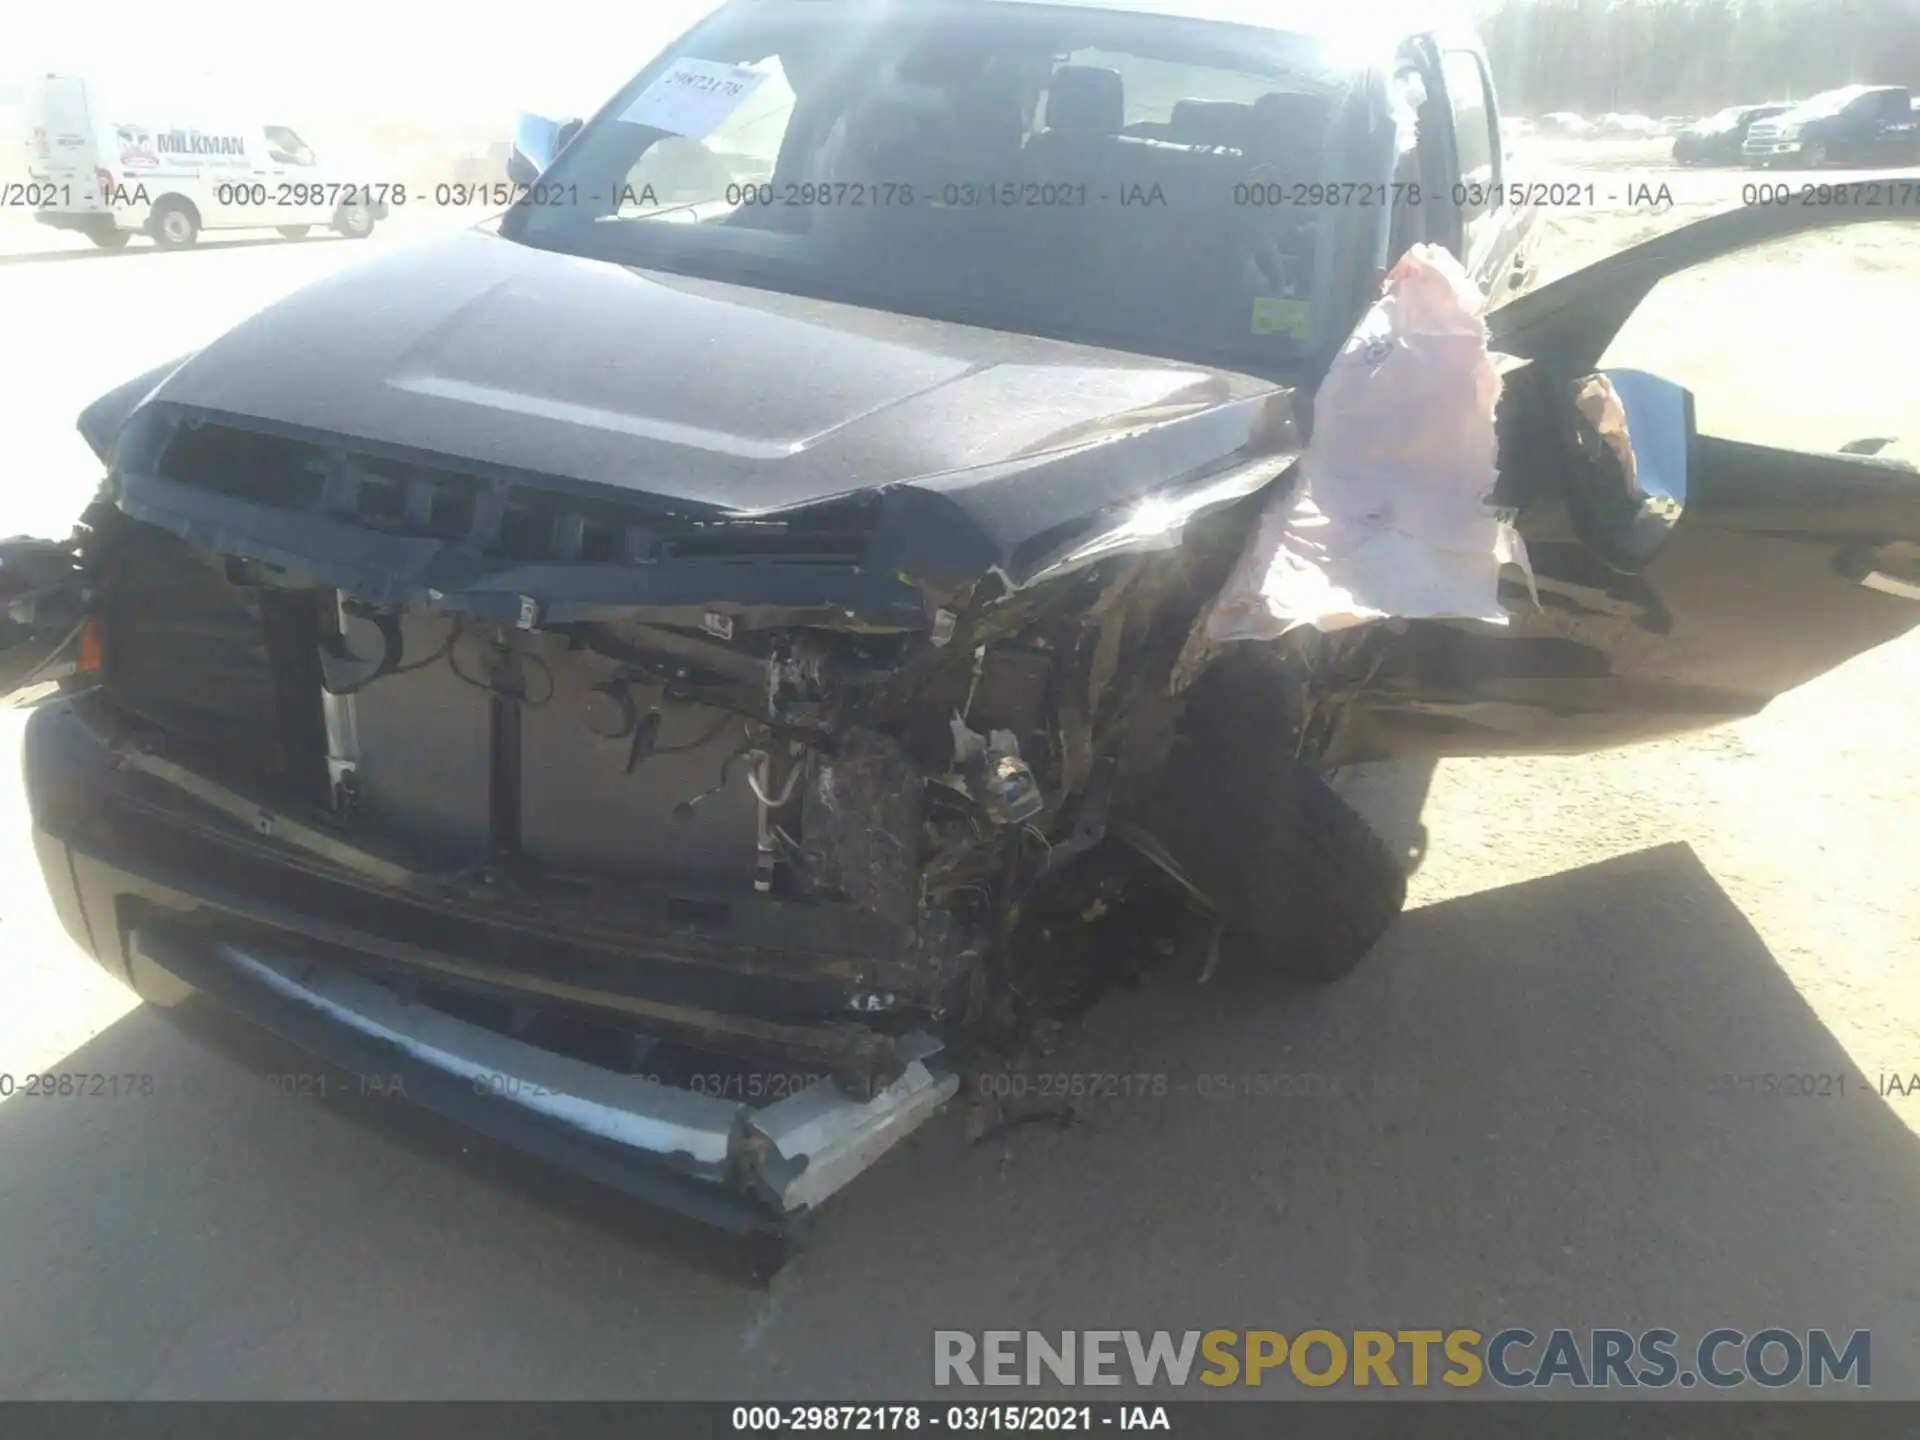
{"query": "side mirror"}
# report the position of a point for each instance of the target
(536, 141)
(1636, 432)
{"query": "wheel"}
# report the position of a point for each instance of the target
(1286, 863)
(353, 220)
(174, 226)
(1815, 155)
(109, 236)
(294, 232)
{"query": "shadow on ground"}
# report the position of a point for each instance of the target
(1515, 1121)
(1393, 796)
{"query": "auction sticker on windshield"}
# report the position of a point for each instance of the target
(1276, 315)
(694, 96)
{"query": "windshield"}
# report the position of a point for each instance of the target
(1141, 181)
(286, 148)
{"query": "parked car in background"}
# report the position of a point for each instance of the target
(1858, 125)
(1567, 125)
(1620, 126)
(1717, 139)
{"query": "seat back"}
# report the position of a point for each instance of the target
(1220, 123)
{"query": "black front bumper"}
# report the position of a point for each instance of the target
(177, 937)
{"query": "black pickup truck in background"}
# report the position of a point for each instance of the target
(1870, 125)
(1717, 140)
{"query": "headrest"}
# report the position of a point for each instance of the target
(1210, 122)
(1290, 127)
(1286, 118)
(1086, 100)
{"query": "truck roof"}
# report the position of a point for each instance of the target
(1851, 92)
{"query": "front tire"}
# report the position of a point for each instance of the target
(1815, 156)
(1287, 864)
(174, 225)
(354, 221)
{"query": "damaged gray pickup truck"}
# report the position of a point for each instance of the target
(682, 670)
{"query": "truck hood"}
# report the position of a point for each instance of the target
(711, 397)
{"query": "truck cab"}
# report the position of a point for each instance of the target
(1865, 125)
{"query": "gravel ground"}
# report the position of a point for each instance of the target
(1803, 816)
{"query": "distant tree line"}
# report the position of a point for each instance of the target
(1669, 57)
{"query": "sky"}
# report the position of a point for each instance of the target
(400, 59)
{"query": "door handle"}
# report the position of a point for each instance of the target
(1892, 568)
(1891, 585)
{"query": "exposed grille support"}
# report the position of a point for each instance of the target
(498, 518)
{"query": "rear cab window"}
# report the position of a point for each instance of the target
(1160, 96)
(1477, 146)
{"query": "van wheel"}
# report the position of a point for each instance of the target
(294, 232)
(109, 236)
(353, 220)
(174, 226)
(1291, 869)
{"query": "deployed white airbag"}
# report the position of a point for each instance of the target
(1389, 515)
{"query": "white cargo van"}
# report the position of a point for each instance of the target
(109, 172)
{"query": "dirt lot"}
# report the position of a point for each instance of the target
(1521, 1124)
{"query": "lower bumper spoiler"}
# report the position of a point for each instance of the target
(743, 1167)
(746, 1167)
